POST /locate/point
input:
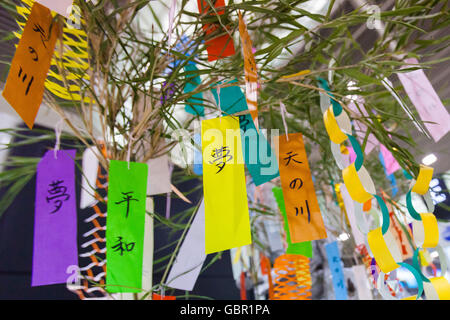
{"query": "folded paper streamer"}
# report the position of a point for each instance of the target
(125, 225)
(302, 209)
(426, 100)
(259, 156)
(159, 176)
(190, 258)
(90, 167)
(250, 69)
(194, 104)
(147, 266)
(62, 7)
(227, 221)
(55, 225)
(337, 273)
(24, 87)
(292, 278)
(220, 45)
(301, 248)
(361, 283)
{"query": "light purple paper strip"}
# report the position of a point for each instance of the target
(361, 128)
(55, 224)
(427, 102)
(389, 161)
(190, 258)
(63, 7)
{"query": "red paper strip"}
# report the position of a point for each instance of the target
(218, 47)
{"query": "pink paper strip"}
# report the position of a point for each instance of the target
(389, 161)
(427, 102)
(55, 225)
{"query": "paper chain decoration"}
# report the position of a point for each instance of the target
(292, 278)
(362, 190)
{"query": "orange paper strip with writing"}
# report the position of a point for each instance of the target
(302, 209)
(251, 73)
(24, 87)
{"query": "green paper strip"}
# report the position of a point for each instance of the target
(301, 248)
(414, 214)
(125, 226)
(359, 154)
(385, 212)
(416, 275)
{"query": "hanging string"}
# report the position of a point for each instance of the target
(283, 117)
(129, 150)
(168, 196)
(58, 132)
(171, 18)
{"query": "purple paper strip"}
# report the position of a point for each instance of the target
(55, 224)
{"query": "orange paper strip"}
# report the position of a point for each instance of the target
(24, 87)
(251, 72)
(302, 209)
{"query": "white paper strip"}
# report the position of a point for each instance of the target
(350, 209)
(190, 258)
(63, 7)
(88, 181)
(159, 176)
(362, 283)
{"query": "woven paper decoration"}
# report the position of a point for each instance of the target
(292, 278)
(93, 247)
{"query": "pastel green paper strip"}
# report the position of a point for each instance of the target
(127, 190)
(302, 248)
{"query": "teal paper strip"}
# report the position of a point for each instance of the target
(194, 104)
(385, 212)
(414, 214)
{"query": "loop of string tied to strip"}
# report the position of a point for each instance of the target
(130, 142)
(283, 117)
(58, 132)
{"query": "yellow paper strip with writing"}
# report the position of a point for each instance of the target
(227, 221)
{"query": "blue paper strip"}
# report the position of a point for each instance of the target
(337, 273)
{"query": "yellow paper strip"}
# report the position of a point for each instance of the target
(354, 184)
(380, 251)
(426, 231)
(332, 127)
(423, 180)
(227, 221)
